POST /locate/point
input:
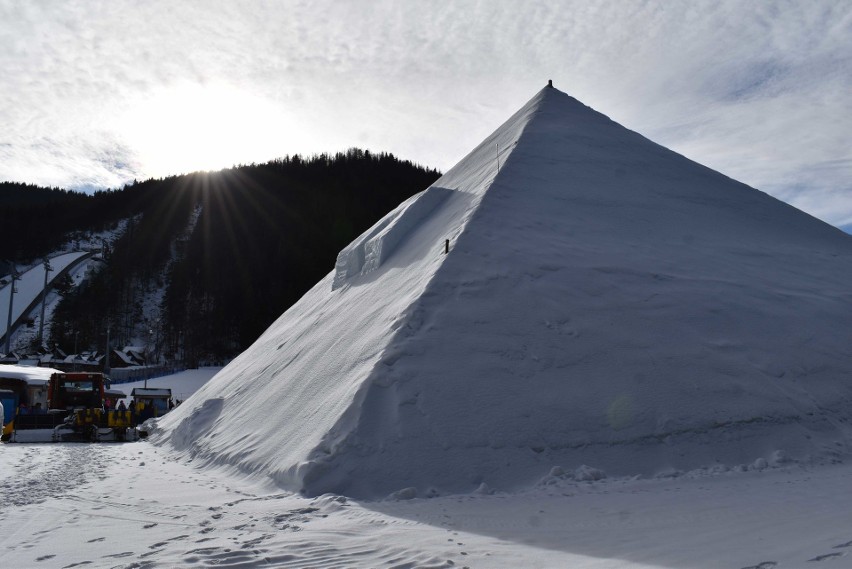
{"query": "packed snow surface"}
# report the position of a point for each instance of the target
(133, 506)
(606, 307)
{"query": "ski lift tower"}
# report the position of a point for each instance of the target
(47, 269)
(13, 273)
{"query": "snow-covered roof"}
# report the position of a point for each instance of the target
(150, 392)
(30, 373)
(124, 357)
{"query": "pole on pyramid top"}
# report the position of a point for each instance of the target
(550, 82)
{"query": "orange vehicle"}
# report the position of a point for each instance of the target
(71, 391)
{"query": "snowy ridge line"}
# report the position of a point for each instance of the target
(310, 476)
(344, 434)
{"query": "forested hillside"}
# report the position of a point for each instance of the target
(261, 235)
(35, 221)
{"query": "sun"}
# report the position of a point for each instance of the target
(201, 127)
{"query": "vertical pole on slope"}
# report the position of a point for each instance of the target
(13, 273)
(47, 269)
(446, 246)
(497, 146)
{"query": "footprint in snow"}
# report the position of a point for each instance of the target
(842, 545)
(45, 557)
(763, 565)
(827, 556)
(117, 555)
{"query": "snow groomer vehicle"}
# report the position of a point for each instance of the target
(74, 411)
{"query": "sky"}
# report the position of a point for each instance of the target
(96, 94)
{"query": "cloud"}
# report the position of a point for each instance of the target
(758, 91)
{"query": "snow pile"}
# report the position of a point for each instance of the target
(606, 306)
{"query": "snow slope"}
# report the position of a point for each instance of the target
(605, 301)
(30, 285)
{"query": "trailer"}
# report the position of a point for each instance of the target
(22, 388)
(157, 400)
(150, 402)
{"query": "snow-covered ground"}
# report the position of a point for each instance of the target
(182, 384)
(132, 506)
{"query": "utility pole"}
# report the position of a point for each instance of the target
(47, 269)
(157, 342)
(13, 273)
(145, 353)
(106, 363)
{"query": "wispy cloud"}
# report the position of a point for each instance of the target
(759, 91)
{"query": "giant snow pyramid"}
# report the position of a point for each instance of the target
(604, 301)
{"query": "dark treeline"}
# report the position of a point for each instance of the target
(261, 236)
(35, 221)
